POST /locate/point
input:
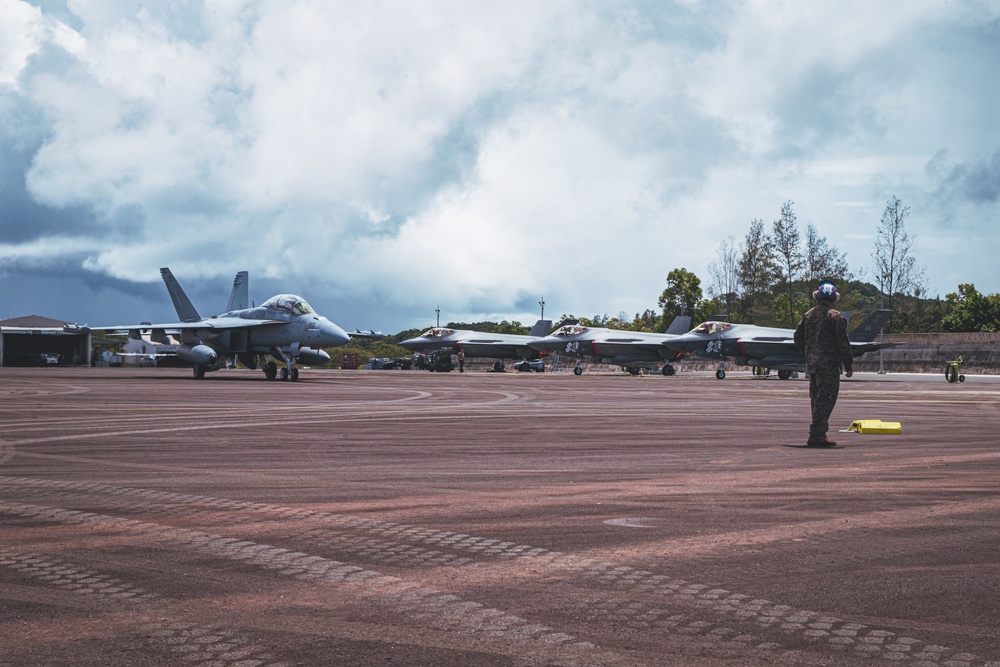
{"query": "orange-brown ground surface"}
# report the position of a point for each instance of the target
(410, 518)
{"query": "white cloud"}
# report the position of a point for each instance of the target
(484, 155)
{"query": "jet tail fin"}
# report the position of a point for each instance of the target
(182, 304)
(541, 328)
(867, 330)
(240, 296)
(680, 325)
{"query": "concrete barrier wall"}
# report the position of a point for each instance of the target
(929, 353)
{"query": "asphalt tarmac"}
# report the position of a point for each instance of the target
(411, 518)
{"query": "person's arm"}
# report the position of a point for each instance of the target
(844, 346)
(800, 336)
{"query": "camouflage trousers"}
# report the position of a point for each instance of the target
(823, 391)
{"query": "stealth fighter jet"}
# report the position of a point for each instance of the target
(632, 350)
(479, 343)
(768, 347)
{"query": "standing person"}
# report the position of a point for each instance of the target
(461, 361)
(822, 337)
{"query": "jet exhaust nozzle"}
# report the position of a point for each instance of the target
(202, 355)
(312, 357)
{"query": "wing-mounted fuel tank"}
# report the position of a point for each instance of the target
(312, 357)
(199, 355)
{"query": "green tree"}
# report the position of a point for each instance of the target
(823, 261)
(757, 271)
(788, 253)
(971, 311)
(682, 295)
(648, 320)
(896, 271)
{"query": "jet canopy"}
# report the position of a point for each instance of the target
(570, 330)
(712, 328)
(296, 305)
(437, 332)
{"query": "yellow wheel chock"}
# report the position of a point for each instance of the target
(874, 426)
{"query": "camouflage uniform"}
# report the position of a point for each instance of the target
(822, 337)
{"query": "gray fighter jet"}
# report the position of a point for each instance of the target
(442, 340)
(284, 327)
(632, 350)
(768, 347)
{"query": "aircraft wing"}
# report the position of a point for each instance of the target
(654, 347)
(497, 346)
(857, 349)
(220, 324)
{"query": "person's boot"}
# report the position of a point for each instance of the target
(820, 441)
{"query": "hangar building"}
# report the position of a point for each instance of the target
(42, 341)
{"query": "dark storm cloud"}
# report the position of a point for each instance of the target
(976, 181)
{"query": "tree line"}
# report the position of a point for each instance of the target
(767, 278)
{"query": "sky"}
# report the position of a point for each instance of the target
(384, 159)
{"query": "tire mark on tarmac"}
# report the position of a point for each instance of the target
(529, 642)
(197, 644)
(704, 606)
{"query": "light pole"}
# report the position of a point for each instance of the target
(542, 304)
(438, 311)
(881, 305)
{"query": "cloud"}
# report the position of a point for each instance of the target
(475, 155)
(975, 181)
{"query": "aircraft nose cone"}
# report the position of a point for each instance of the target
(332, 334)
(411, 344)
(547, 344)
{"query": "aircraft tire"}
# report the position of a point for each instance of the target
(294, 374)
(784, 374)
(720, 374)
(577, 371)
(284, 373)
(270, 370)
(668, 370)
(199, 373)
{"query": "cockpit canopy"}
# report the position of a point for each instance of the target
(296, 305)
(712, 328)
(437, 332)
(570, 330)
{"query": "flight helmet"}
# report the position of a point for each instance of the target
(826, 291)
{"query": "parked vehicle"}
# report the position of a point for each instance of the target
(529, 365)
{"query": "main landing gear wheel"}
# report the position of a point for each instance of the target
(270, 370)
(668, 370)
(784, 374)
(199, 373)
(577, 371)
(292, 374)
(720, 374)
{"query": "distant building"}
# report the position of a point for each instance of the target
(41, 341)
